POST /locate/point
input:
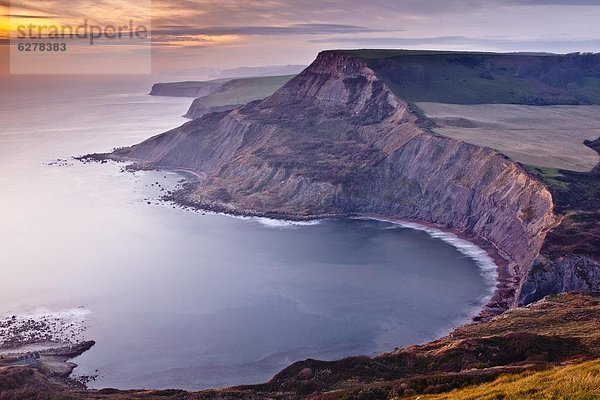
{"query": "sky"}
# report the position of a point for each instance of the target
(199, 36)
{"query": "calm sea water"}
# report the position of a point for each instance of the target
(183, 300)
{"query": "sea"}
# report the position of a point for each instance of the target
(184, 299)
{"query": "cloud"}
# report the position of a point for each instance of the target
(80, 9)
(295, 29)
(555, 2)
(230, 33)
(29, 16)
(394, 41)
(474, 42)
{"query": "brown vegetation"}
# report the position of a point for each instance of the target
(560, 329)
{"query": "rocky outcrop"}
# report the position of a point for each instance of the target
(570, 256)
(550, 276)
(336, 140)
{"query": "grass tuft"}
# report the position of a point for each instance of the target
(571, 382)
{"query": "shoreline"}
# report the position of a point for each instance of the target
(495, 303)
(484, 308)
(46, 341)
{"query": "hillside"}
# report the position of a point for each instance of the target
(486, 78)
(340, 140)
(335, 140)
(236, 92)
(576, 381)
(547, 137)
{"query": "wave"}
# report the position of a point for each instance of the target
(265, 221)
(282, 223)
(41, 324)
(487, 267)
(59, 314)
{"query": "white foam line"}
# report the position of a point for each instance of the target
(268, 222)
(70, 313)
(64, 325)
(282, 223)
(487, 267)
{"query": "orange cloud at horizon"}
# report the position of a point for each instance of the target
(24, 14)
(233, 33)
(195, 40)
(41, 15)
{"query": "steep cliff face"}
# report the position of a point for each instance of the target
(336, 140)
(570, 256)
(186, 89)
(464, 187)
(556, 275)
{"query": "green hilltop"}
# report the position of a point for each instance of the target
(486, 78)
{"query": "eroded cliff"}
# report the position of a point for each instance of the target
(335, 140)
(570, 256)
(187, 89)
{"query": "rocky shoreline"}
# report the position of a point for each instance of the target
(46, 343)
(338, 142)
(505, 282)
(556, 332)
(183, 198)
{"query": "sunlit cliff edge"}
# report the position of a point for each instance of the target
(336, 140)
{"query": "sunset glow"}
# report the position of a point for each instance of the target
(281, 31)
(299, 199)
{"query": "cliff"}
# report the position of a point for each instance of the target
(236, 92)
(486, 78)
(570, 256)
(187, 89)
(336, 140)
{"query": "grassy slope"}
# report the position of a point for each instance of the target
(240, 91)
(480, 78)
(577, 382)
(550, 136)
(427, 78)
(577, 197)
(245, 90)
